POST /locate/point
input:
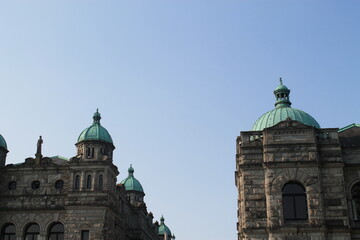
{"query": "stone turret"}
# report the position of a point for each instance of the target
(164, 231)
(134, 190)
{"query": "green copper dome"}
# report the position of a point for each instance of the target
(131, 183)
(282, 111)
(163, 229)
(95, 131)
(2, 142)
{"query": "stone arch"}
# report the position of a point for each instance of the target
(29, 223)
(275, 180)
(295, 175)
(50, 225)
(7, 221)
(6, 224)
(51, 222)
(353, 205)
(349, 185)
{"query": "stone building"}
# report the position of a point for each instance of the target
(296, 180)
(57, 198)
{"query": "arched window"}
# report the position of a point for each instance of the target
(8, 232)
(56, 232)
(101, 182)
(77, 182)
(294, 202)
(355, 194)
(32, 232)
(88, 182)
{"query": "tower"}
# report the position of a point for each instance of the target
(95, 170)
(290, 177)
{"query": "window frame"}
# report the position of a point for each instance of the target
(354, 200)
(298, 202)
(34, 235)
(56, 233)
(8, 235)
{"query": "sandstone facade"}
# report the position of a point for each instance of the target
(324, 162)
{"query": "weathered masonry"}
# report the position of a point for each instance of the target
(55, 198)
(295, 180)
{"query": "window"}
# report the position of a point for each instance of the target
(56, 232)
(87, 152)
(85, 235)
(92, 152)
(77, 182)
(101, 182)
(35, 184)
(59, 184)
(8, 232)
(32, 232)
(12, 185)
(294, 202)
(355, 194)
(88, 182)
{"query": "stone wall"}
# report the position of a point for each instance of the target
(293, 152)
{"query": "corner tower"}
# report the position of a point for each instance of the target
(290, 177)
(95, 142)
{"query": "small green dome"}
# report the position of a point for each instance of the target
(131, 183)
(163, 229)
(95, 131)
(3, 142)
(281, 87)
(282, 111)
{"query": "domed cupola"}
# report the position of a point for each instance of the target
(131, 183)
(282, 111)
(95, 142)
(135, 191)
(3, 151)
(95, 131)
(164, 232)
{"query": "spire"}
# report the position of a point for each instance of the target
(162, 219)
(282, 96)
(97, 117)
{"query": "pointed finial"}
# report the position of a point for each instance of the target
(162, 219)
(97, 117)
(280, 81)
(173, 236)
(131, 170)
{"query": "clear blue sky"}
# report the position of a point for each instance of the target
(175, 82)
